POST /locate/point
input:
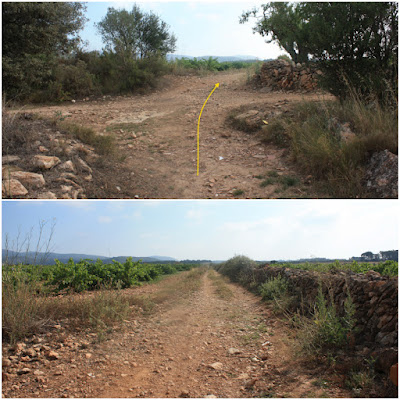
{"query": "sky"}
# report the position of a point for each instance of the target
(210, 229)
(202, 28)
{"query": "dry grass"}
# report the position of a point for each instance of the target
(104, 145)
(172, 289)
(25, 312)
(312, 131)
(220, 284)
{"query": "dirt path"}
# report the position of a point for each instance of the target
(157, 139)
(214, 345)
(216, 341)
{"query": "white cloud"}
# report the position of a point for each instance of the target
(332, 228)
(104, 219)
(196, 214)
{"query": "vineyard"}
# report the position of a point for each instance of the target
(87, 275)
(386, 268)
(210, 64)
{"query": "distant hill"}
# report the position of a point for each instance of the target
(41, 258)
(172, 57)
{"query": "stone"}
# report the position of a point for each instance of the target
(83, 165)
(46, 195)
(394, 374)
(232, 351)
(24, 371)
(184, 394)
(43, 149)
(7, 169)
(381, 176)
(6, 376)
(52, 355)
(384, 359)
(29, 178)
(19, 347)
(30, 352)
(38, 372)
(6, 362)
(88, 355)
(13, 188)
(67, 166)
(10, 159)
(217, 366)
(45, 162)
(66, 188)
(247, 114)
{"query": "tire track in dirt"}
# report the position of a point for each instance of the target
(156, 138)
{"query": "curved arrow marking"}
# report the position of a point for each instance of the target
(198, 128)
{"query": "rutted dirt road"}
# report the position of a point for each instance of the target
(157, 139)
(217, 340)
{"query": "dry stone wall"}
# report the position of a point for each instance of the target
(282, 75)
(374, 297)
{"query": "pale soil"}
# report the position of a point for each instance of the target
(161, 162)
(170, 352)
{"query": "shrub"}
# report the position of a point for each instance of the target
(22, 309)
(237, 268)
(276, 132)
(326, 330)
(274, 288)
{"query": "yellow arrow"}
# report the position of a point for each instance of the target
(198, 128)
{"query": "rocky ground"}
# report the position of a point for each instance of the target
(156, 146)
(219, 341)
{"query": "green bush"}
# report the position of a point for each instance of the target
(237, 268)
(274, 288)
(326, 330)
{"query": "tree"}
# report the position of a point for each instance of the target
(34, 34)
(135, 34)
(283, 23)
(355, 43)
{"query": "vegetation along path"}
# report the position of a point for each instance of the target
(156, 138)
(192, 334)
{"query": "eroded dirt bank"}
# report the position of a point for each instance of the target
(216, 340)
(157, 139)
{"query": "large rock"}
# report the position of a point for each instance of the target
(45, 162)
(9, 159)
(29, 178)
(13, 188)
(83, 165)
(67, 166)
(381, 175)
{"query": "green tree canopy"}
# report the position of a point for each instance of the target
(355, 43)
(135, 34)
(33, 35)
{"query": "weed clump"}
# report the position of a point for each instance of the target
(326, 330)
(333, 141)
(274, 288)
